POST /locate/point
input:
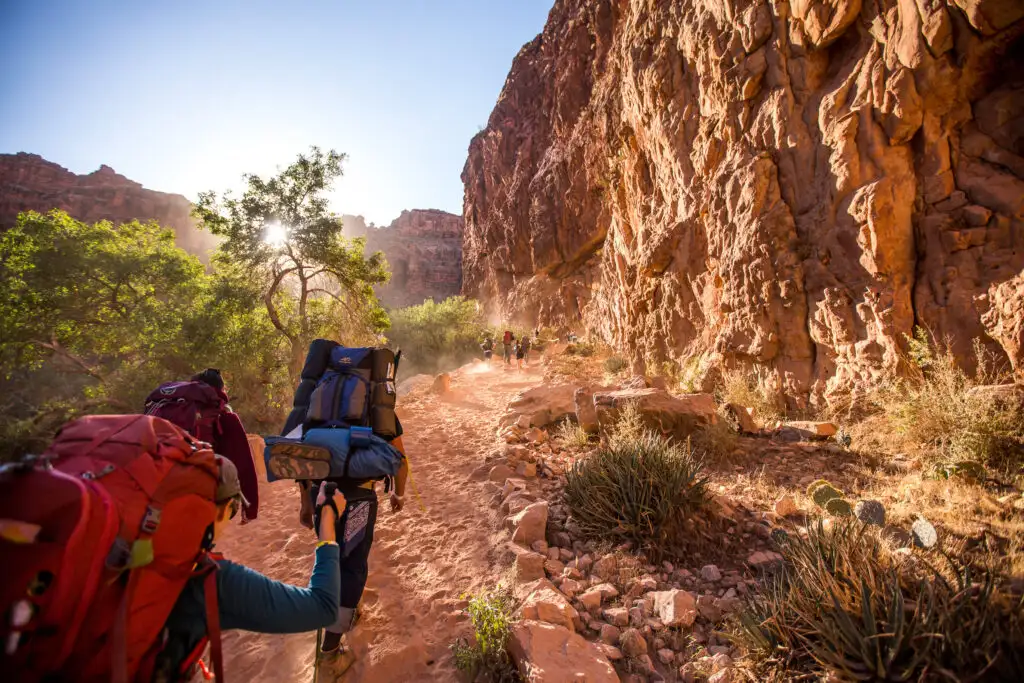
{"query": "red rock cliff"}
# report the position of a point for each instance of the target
(789, 186)
(424, 250)
(30, 183)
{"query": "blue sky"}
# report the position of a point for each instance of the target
(184, 96)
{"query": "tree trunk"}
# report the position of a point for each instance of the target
(298, 357)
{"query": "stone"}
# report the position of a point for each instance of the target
(765, 560)
(688, 673)
(632, 643)
(741, 418)
(569, 587)
(813, 430)
(870, 512)
(721, 660)
(442, 383)
(423, 248)
(666, 656)
(710, 572)
(708, 607)
(723, 676)
(678, 416)
(786, 505)
(529, 566)
(545, 603)
(617, 616)
(546, 653)
(526, 469)
(675, 607)
(541, 406)
(554, 567)
(610, 634)
(606, 567)
(636, 617)
(529, 525)
(586, 413)
(536, 435)
(613, 653)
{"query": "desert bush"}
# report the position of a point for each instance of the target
(940, 411)
(485, 659)
(628, 426)
(570, 433)
(640, 490)
(615, 364)
(844, 605)
(744, 389)
(438, 336)
(583, 349)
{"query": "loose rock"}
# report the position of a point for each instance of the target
(545, 653)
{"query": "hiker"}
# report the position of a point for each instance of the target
(524, 347)
(246, 599)
(519, 353)
(488, 348)
(205, 396)
(507, 342)
(355, 527)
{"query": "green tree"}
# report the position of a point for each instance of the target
(279, 233)
(434, 335)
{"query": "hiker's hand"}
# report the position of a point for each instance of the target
(396, 502)
(327, 513)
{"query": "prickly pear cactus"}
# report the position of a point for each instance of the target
(815, 484)
(824, 493)
(838, 507)
(924, 534)
(870, 512)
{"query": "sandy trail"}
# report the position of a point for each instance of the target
(423, 558)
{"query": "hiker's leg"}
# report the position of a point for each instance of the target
(353, 566)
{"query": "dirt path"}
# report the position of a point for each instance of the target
(423, 558)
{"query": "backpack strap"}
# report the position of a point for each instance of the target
(213, 623)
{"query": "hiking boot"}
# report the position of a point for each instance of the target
(343, 661)
(331, 642)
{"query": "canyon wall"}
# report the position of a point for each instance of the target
(423, 248)
(30, 183)
(788, 187)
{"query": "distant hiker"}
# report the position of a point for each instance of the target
(200, 407)
(520, 353)
(524, 348)
(488, 348)
(507, 343)
(314, 412)
(246, 599)
(107, 571)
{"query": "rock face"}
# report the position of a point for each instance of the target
(424, 250)
(30, 183)
(788, 186)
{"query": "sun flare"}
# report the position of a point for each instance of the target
(275, 234)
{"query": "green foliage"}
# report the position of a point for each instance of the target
(439, 336)
(582, 349)
(640, 490)
(282, 240)
(486, 659)
(843, 605)
(965, 469)
(571, 434)
(813, 485)
(615, 364)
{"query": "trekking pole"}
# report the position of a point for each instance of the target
(316, 654)
(415, 490)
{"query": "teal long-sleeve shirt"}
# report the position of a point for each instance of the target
(251, 601)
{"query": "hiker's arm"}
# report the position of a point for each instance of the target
(235, 445)
(398, 493)
(249, 600)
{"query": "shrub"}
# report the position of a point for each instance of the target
(746, 390)
(940, 411)
(486, 659)
(615, 364)
(640, 490)
(843, 605)
(572, 434)
(716, 442)
(583, 349)
(438, 336)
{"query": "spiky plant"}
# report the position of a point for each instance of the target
(815, 484)
(838, 507)
(843, 606)
(824, 493)
(640, 491)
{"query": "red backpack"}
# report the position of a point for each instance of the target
(98, 537)
(193, 406)
(507, 339)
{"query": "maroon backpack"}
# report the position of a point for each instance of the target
(193, 406)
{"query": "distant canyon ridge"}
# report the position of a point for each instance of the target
(788, 187)
(423, 247)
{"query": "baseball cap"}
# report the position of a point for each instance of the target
(228, 485)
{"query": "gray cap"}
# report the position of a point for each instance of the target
(228, 485)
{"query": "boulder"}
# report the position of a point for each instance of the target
(677, 416)
(545, 603)
(811, 430)
(530, 525)
(541, 406)
(546, 653)
(675, 607)
(586, 413)
(442, 384)
(529, 566)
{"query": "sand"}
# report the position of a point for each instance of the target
(441, 546)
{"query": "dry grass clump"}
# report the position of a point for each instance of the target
(716, 442)
(613, 365)
(638, 488)
(845, 605)
(940, 411)
(571, 434)
(747, 390)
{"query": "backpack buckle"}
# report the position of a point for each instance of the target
(119, 556)
(151, 521)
